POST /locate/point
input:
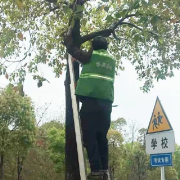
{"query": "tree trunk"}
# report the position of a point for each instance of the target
(2, 167)
(72, 165)
(19, 167)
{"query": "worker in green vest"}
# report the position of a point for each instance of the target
(95, 89)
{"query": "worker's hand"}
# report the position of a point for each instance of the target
(75, 85)
(73, 59)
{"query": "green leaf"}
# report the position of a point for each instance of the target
(161, 76)
(137, 38)
(136, 4)
(154, 21)
(171, 67)
(109, 18)
(176, 11)
(178, 46)
(21, 89)
(66, 9)
(175, 29)
(84, 21)
(9, 89)
(106, 9)
(124, 12)
(143, 19)
(161, 40)
(39, 83)
(79, 8)
(118, 15)
(144, 3)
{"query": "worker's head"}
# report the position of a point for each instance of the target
(99, 43)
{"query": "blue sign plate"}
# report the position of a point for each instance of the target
(159, 160)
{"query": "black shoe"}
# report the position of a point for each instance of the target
(95, 176)
(106, 175)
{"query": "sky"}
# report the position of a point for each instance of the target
(133, 105)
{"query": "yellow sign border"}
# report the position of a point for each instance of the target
(157, 99)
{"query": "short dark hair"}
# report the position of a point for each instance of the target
(99, 43)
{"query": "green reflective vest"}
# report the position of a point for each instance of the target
(97, 77)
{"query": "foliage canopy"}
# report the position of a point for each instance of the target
(145, 32)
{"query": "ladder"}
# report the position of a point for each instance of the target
(77, 126)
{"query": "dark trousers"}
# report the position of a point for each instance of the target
(95, 121)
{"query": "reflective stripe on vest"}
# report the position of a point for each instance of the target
(104, 54)
(91, 75)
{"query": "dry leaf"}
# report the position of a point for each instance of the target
(166, 12)
(20, 36)
(173, 21)
(7, 76)
(15, 88)
(19, 4)
(48, 51)
(119, 2)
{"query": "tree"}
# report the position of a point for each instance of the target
(115, 141)
(22, 140)
(51, 136)
(177, 160)
(118, 124)
(137, 162)
(56, 145)
(38, 164)
(133, 132)
(142, 137)
(155, 173)
(145, 32)
(17, 125)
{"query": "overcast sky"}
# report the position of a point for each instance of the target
(133, 104)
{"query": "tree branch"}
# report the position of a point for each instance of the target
(115, 36)
(115, 25)
(104, 33)
(141, 29)
(26, 54)
(130, 24)
(76, 29)
(76, 32)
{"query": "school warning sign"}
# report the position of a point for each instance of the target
(159, 121)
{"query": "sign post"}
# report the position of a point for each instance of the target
(160, 141)
(162, 173)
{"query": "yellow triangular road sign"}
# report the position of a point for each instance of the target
(159, 121)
